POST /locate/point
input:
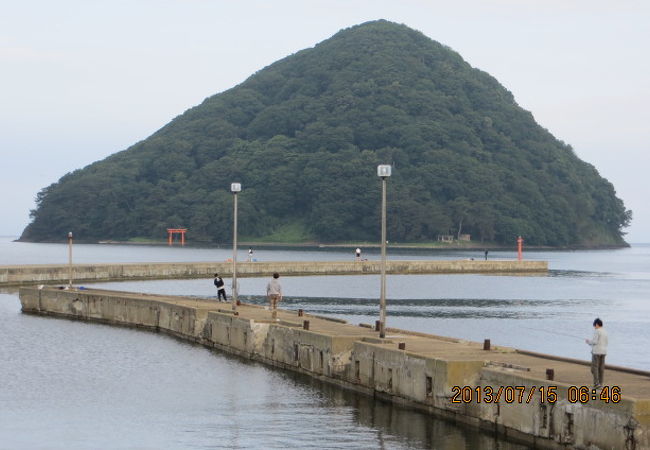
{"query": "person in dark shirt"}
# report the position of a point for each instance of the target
(221, 287)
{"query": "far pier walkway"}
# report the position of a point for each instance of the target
(60, 273)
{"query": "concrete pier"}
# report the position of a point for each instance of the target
(447, 377)
(60, 273)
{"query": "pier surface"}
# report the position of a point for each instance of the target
(60, 273)
(415, 369)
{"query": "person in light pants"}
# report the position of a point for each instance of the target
(274, 294)
(598, 352)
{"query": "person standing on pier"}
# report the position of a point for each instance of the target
(274, 294)
(357, 254)
(250, 254)
(486, 253)
(221, 287)
(598, 351)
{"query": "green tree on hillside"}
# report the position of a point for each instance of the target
(304, 136)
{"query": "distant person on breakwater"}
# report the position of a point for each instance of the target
(486, 253)
(357, 254)
(598, 352)
(274, 294)
(250, 254)
(221, 287)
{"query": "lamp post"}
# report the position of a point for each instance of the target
(70, 259)
(235, 188)
(383, 171)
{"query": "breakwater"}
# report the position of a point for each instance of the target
(444, 376)
(60, 273)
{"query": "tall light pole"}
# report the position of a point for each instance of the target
(70, 258)
(383, 171)
(234, 188)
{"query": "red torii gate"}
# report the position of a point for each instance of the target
(172, 231)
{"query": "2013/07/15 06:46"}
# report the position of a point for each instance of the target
(526, 394)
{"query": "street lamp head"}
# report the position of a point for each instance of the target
(383, 170)
(235, 187)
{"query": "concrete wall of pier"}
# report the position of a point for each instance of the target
(355, 358)
(44, 274)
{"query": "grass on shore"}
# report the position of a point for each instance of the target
(291, 233)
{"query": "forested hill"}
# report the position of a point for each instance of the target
(304, 136)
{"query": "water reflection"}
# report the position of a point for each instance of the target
(578, 273)
(386, 421)
(426, 308)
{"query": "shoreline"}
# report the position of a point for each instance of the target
(347, 245)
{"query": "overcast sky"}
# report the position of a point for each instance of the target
(82, 79)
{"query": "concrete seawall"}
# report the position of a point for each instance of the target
(413, 369)
(44, 274)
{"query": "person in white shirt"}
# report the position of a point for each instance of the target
(274, 294)
(598, 352)
(357, 254)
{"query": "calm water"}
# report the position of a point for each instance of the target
(65, 384)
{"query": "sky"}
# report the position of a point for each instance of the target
(82, 79)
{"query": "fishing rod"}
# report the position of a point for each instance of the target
(552, 332)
